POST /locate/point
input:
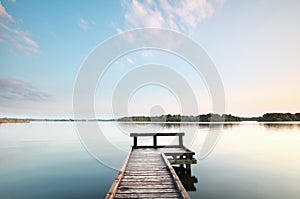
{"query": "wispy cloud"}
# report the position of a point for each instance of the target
(129, 60)
(9, 32)
(86, 24)
(15, 89)
(83, 24)
(4, 14)
(147, 53)
(183, 16)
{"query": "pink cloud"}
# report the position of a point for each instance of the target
(85, 24)
(30, 42)
(183, 15)
(12, 34)
(17, 89)
(19, 41)
(4, 14)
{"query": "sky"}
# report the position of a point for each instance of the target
(254, 45)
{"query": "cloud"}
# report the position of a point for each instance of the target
(129, 60)
(16, 89)
(83, 24)
(86, 24)
(147, 53)
(4, 14)
(30, 42)
(9, 32)
(183, 16)
(13, 1)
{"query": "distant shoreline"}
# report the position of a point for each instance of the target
(205, 118)
(9, 120)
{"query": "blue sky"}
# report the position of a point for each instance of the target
(254, 45)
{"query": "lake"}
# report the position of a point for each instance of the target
(49, 160)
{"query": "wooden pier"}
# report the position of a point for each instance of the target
(147, 170)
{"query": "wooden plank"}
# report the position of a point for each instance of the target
(148, 191)
(147, 175)
(157, 181)
(155, 134)
(134, 183)
(151, 164)
(176, 148)
(146, 179)
(146, 154)
(142, 169)
(114, 187)
(153, 195)
(177, 181)
(145, 165)
(153, 168)
(183, 161)
(145, 172)
(153, 181)
(128, 172)
(147, 186)
(176, 153)
(145, 161)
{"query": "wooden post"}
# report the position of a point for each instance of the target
(180, 141)
(188, 169)
(135, 142)
(155, 141)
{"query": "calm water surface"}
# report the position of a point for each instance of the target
(250, 160)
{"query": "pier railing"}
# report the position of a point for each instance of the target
(155, 135)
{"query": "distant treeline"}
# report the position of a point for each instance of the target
(279, 117)
(27, 120)
(181, 118)
(13, 120)
(268, 117)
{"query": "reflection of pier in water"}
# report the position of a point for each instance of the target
(181, 163)
(185, 176)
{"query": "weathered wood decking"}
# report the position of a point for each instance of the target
(147, 173)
